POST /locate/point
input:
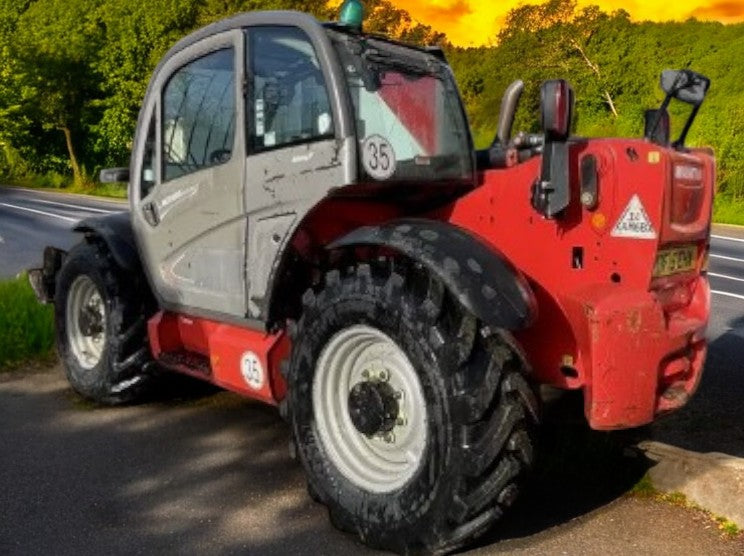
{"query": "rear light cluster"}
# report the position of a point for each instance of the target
(688, 193)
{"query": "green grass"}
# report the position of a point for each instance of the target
(26, 326)
(63, 184)
(727, 210)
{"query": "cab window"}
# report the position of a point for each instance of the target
(199, 115)
(289, 101)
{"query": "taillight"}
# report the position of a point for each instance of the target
(688, 192)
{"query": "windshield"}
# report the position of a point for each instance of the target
(409, 119)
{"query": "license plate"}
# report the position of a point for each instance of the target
(675, 260)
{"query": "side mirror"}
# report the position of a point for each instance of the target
(114, 175)
(556, 104)
(551, 194)
(685, 85)
(657, 128)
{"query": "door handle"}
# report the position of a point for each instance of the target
(150, 212)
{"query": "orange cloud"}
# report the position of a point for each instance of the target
(732, 10)
(474, 22)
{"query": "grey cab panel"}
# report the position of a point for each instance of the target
(188, 195)
(245, 127)
(295, 155)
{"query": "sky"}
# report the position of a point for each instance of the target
(476, 22)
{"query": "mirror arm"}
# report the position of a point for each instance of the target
(679, 143)
(657, 118)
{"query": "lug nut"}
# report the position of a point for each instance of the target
(401, 421)
(389, 437)
(365, 374)
(384, 376)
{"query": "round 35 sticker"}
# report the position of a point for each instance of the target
(378, 157)
(252, 370)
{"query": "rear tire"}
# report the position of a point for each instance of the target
(100, 320)
(473, 438)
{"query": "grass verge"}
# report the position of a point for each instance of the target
(645, 489)
(26, 326)
(62, 184)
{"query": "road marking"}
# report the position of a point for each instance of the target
(727, 238)
(79, 207)
(712, 256)
(67, 218)
(727, 294)
(726, 277)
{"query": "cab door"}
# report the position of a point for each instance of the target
(187, 193)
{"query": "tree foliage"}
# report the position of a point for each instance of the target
(614, 66)
(73, 72)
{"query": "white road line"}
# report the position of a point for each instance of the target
(726, 277)
(727, 238)
(727, 294)
(79, 207)
(67, 218)
(712, 256)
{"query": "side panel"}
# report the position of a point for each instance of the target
(239, 359)
(282, 187)
(300, 142)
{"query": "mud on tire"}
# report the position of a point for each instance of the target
(100, 321)
(480, 411)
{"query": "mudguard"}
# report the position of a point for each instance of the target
(116, 231)
(479, 276)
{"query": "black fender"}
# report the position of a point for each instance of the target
(478, 275)
(116, 232)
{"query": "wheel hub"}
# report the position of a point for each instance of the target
(86, 322)
(369, 408)
(373, 407)
(91, 321)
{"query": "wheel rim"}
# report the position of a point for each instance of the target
(386, 460)
(86, 322)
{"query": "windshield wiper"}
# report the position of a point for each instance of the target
(378, 58)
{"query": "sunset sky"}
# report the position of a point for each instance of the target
(476, 22)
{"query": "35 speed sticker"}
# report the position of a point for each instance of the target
(378, 157)
(252, 370)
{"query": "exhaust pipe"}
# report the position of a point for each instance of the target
(508, 111)
(500, 154)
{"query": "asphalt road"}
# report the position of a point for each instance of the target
(30, 220)
(209, 473)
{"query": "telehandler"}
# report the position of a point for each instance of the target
(311, 226)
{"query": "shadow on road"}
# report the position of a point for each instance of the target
(211, 474)
(713, 421)
(579, 471)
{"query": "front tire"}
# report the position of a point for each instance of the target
(415, 423)
(100, 327)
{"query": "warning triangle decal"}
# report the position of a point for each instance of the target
(634, 222)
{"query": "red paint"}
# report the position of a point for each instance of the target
(617, 327)
(225, 346)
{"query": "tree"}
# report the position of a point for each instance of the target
(54, 44)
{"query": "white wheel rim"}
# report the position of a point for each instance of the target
(86, 322)
(386, 461)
